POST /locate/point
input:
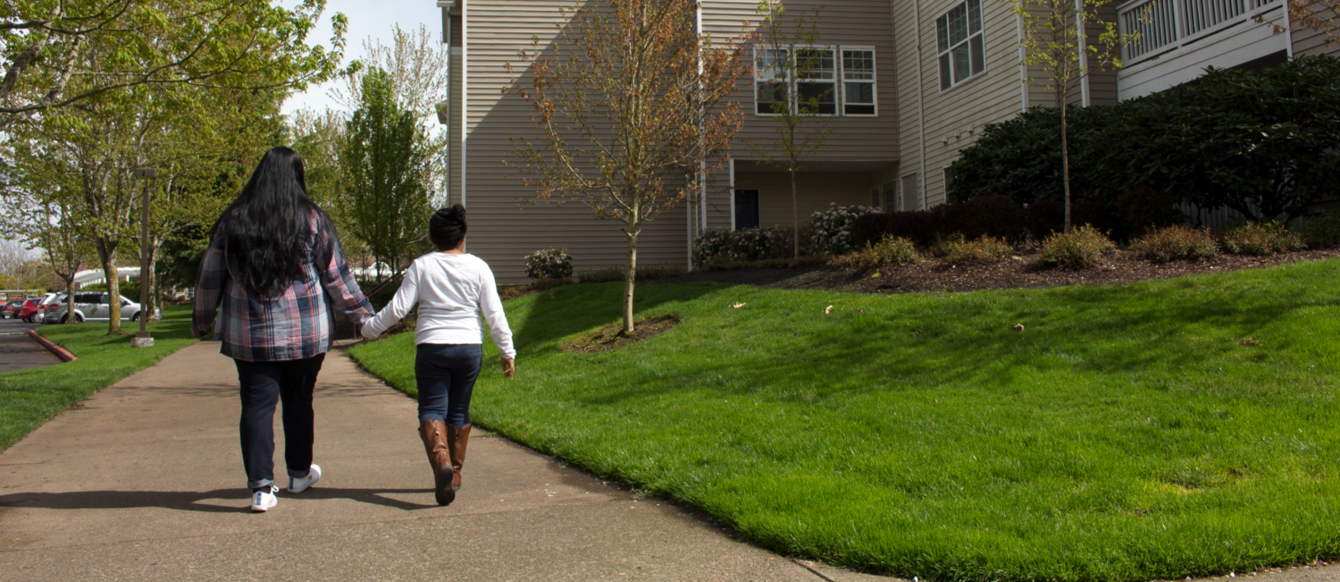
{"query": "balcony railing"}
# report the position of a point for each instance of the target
(1160, 23)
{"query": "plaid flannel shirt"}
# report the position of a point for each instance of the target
(293, 325)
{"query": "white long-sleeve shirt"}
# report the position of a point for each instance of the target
(452, 291)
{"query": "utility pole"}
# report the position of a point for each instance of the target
(143, 339)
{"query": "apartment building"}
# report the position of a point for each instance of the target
(912, 83)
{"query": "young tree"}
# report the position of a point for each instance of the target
(384, 160)
(1054, 39)
(797, 107)
(630, 96)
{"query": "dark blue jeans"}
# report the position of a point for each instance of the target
(263, 385)
(446, 375)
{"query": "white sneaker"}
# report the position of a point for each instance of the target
(300, 485)
(264, 499)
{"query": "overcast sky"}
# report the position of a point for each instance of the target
(367, 19)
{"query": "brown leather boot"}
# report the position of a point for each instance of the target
(457, 439)
(434, 435)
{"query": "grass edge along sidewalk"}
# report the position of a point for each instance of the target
(1165, 429)
(29, 398)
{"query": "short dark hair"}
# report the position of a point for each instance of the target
(447, 227)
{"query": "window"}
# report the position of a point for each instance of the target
(858, 81)
(814, 88)
(746, 209)
(909, 188)
(875, 200)
(816, 81)
(949, 180)
(770, 81)
(959, 40)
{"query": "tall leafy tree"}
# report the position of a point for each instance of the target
(630, 96)
(783, 56)
(1054, 37)
(212, 43)
(385, 158)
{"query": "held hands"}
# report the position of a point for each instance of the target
(508, 366)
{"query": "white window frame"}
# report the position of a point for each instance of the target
(945, 46)
(792, 92)
(872, 81)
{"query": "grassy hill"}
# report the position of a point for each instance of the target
(1171, 428)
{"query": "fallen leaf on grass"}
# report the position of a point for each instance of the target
(1019, 326)
(738, 305)
(1249, 342)
(828, 309)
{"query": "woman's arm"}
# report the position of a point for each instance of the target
(491, 306)
(208, 290)
(404, 300)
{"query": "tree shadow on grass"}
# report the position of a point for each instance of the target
(202, 501)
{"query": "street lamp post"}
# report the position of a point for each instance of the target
(143, 339)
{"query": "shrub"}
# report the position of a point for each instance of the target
(781, 244)
(917, 226)
(616, 273)
(747, 244)
(1143, 209)
(549, 264)
(1322, 230)
(984, 249)
(832, 228)
(995, 216)
(1172, 243)
(889, 250)
(1082, 248)
(1044, 217)
(1262, 239)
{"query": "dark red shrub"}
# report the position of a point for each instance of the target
(1144, 209)
(917, 226)
(994, 216)
(1044, 217)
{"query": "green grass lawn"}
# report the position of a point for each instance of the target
(1128, 433)
(31, 397)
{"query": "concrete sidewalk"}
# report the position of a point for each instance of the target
(145, 482)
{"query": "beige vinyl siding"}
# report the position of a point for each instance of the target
(1102, 80)
(852, 23)
(954, 118)
(455, 124)
(815, 191)
(1310, 41)
(503, 228)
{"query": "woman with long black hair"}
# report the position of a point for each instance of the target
(275, 269)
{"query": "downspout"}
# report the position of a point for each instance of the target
(1082, 36)
(1023, 64)
(702, 128)
(1288, 31)
(921, 110)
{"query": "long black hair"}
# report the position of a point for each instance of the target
(263, 231)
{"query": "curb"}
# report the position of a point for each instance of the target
(60, 352)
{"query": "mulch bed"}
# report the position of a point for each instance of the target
(612, 336)
(1020, 271)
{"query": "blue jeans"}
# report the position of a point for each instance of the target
(265, 384)
(445, 374)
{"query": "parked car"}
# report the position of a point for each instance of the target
(93, 306)
(8, 310)
(31, 310)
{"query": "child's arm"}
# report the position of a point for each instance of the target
(404, 300)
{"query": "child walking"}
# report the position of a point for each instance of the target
(453, 289)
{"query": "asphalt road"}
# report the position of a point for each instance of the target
(18, 351)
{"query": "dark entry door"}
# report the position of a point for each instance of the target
(746, 209)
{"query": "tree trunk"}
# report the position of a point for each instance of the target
(630, 275)
(795, 216)
(1065, 163)
(69, 298)
(107, 254)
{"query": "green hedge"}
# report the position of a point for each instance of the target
(1262, 143)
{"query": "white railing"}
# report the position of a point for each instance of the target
(1160, 23)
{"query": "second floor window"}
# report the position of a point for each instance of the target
(814, 80)
(962, 51)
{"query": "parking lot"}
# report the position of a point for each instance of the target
(18, 351)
